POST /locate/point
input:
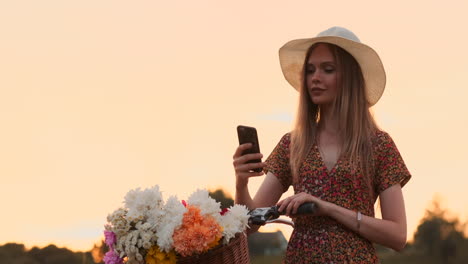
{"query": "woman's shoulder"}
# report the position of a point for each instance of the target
(382, 139)
(285, 140)
(380, 135)
(287, 136)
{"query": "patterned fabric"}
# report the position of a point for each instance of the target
(321, 239)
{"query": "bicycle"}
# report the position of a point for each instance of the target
(237, 251)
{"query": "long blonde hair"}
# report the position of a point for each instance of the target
(356, 124)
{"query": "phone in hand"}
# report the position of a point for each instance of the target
(247, 134)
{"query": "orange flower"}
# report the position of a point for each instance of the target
(197, 234)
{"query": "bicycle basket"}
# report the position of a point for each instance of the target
(237, 251)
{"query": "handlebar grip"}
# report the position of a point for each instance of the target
(306, 208)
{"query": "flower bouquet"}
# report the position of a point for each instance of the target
(148, 230)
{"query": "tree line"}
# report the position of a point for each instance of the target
(13, 253)
(439, 238)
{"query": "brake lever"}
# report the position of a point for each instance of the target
(260, 216)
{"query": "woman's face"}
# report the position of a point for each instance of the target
(321, 75)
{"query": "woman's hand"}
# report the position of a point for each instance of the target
(290, 204)
(244, 169)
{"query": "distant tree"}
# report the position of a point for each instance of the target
(221, 196)
(54, 255)
(267, 243)
(439, 237)
(12, 250)
(99, 251)
(13, 253)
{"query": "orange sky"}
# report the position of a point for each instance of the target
(99, 97)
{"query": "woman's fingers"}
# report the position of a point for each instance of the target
(247, 167)
(243, 159)
(239, 158)
(249, 174)
(240, 149)
(296, 205)
(283, 204)
(290, 205)
(241, 162)
(243, 165)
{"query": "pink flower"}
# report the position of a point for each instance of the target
(111, 239)
(112, 257)
(225, 210)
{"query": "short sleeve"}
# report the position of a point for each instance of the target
(278, 162)
(390, 167)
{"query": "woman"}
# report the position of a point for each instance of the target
(335, 157)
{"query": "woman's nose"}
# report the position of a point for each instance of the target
(316, 77)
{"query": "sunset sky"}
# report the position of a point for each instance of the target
(100, 97)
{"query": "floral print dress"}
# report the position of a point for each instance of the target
(321, 239)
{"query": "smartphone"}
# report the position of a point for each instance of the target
(248, 134)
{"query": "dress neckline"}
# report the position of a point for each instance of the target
(322, 161)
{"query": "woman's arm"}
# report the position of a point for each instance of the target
(267, 195)
(269, 192)
(390, 231)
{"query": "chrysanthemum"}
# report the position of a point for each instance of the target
(234, 221)
(169, 221)
(197, 234)
(143, 204)
(208, 205)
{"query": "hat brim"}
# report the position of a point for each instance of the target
(293, 54)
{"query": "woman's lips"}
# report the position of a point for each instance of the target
(316, 89)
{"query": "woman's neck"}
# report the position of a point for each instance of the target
(328, 122)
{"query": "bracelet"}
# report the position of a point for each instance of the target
(358, 218)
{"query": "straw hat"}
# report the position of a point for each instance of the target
(293, 55)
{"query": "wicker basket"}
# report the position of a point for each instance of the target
(237, 251)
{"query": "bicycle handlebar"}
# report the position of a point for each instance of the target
(306, 208)
(260, 216)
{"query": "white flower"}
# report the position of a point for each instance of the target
(118, 223)
(234, 221)
(135, 225)
(146, 235)
(143, 205)
(169, 221)
(129, 245)
(146, 221)
(207, 205)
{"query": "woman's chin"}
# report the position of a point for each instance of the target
(321, 100)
